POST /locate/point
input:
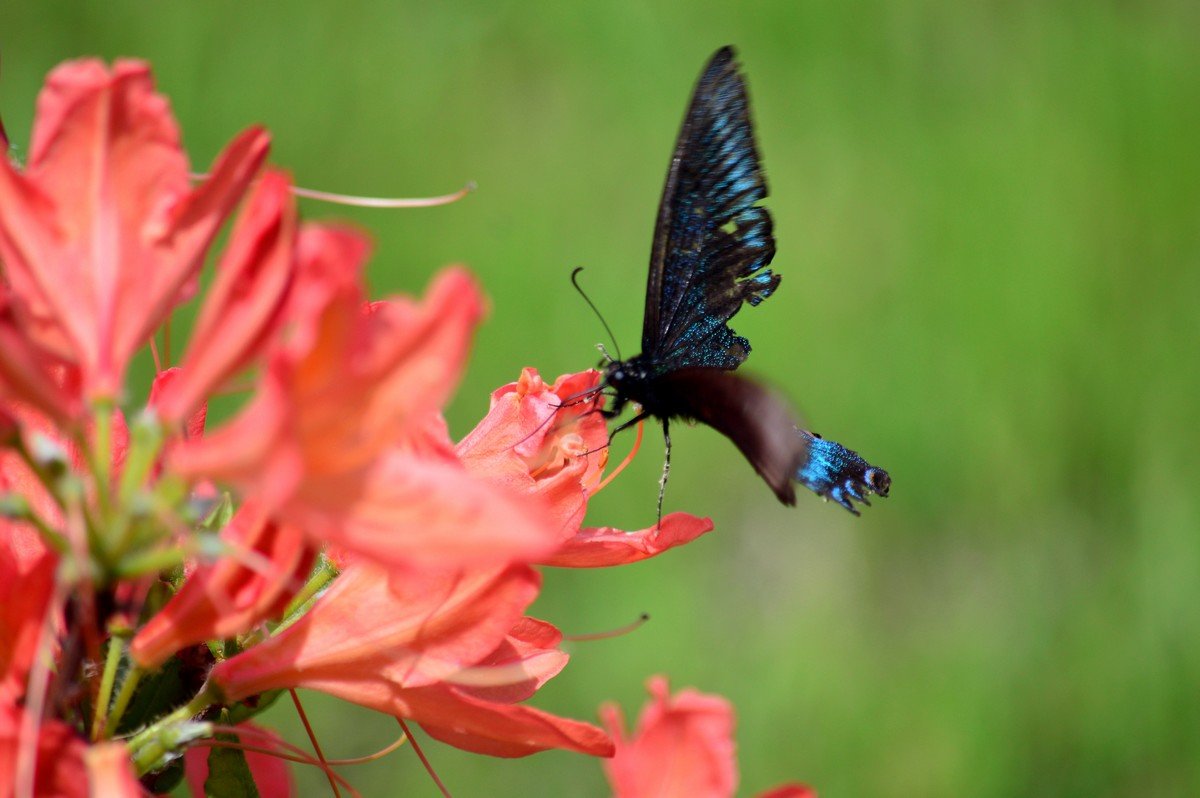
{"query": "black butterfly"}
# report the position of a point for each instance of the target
(712, 246)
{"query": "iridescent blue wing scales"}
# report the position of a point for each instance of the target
(712, 241)
(835, 472)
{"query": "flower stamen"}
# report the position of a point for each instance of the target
(637, 444)
(421, 755)
(373, 202)
(312, 738)
(620, 631)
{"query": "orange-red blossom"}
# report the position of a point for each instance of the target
(339, 448)
(682, 748)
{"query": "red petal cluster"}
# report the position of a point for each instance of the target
(683, 747)
(451, 650)
(327, 441)
(103, 233)
(221, 600)
(339, 448)
(545, 442)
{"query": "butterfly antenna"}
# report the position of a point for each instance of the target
(607, 329)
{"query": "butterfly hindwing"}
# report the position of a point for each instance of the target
(758, 421)
(712, 241)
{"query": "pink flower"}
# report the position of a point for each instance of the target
(231, 596)
(26, 580)
(110, 773)
(66, 766)
(683, 747)
(244, 305)
(103, 233)
(534, 444)
(60, 769)
(328, 441)
(450, 650)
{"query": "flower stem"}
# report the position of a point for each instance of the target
(312, 738)
(112, 661)
(142, 563)
(145, 442)
(100, 454)
(16, 506)
(148, 746)
(323, 574)
(128, 688)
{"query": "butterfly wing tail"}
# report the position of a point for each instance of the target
(831, 470)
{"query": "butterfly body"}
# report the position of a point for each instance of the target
(712, 248)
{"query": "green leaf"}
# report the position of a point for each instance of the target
(229, 774)
(243, 711)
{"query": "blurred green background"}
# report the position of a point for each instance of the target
(988, 220)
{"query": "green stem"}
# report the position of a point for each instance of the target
(53, 538)
(145, 444)
(16, 506)
(100, 454)
(116, 647)
(202, 700)
(148, 747)
(132, 566)
(128, 688)
(324, 573)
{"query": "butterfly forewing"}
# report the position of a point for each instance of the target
(712, 247)
(712, 242)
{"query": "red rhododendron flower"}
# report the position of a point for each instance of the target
(233, 594)
(59, 769)
(533, 443)
(110, 773)
(65, 767)
(683, 747)
(132, 536)
(26, 580)
(103, 230)
(323, 443)
(416, 648)
(245, 302)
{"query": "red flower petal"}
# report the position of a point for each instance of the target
(399, 646)
(101, 233)
(59, 770)
(371, 635)
(527, 658)
(683, 746)
(544, 442)
(324, 442)
(230, 597)
(531, 444)
(26, 580)
(110, 772)
(407, 511)
(506, 730)
(599, 547)
(244, 303)
(27, 371)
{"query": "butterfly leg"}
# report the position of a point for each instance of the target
(626, 425)
(662, 482)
